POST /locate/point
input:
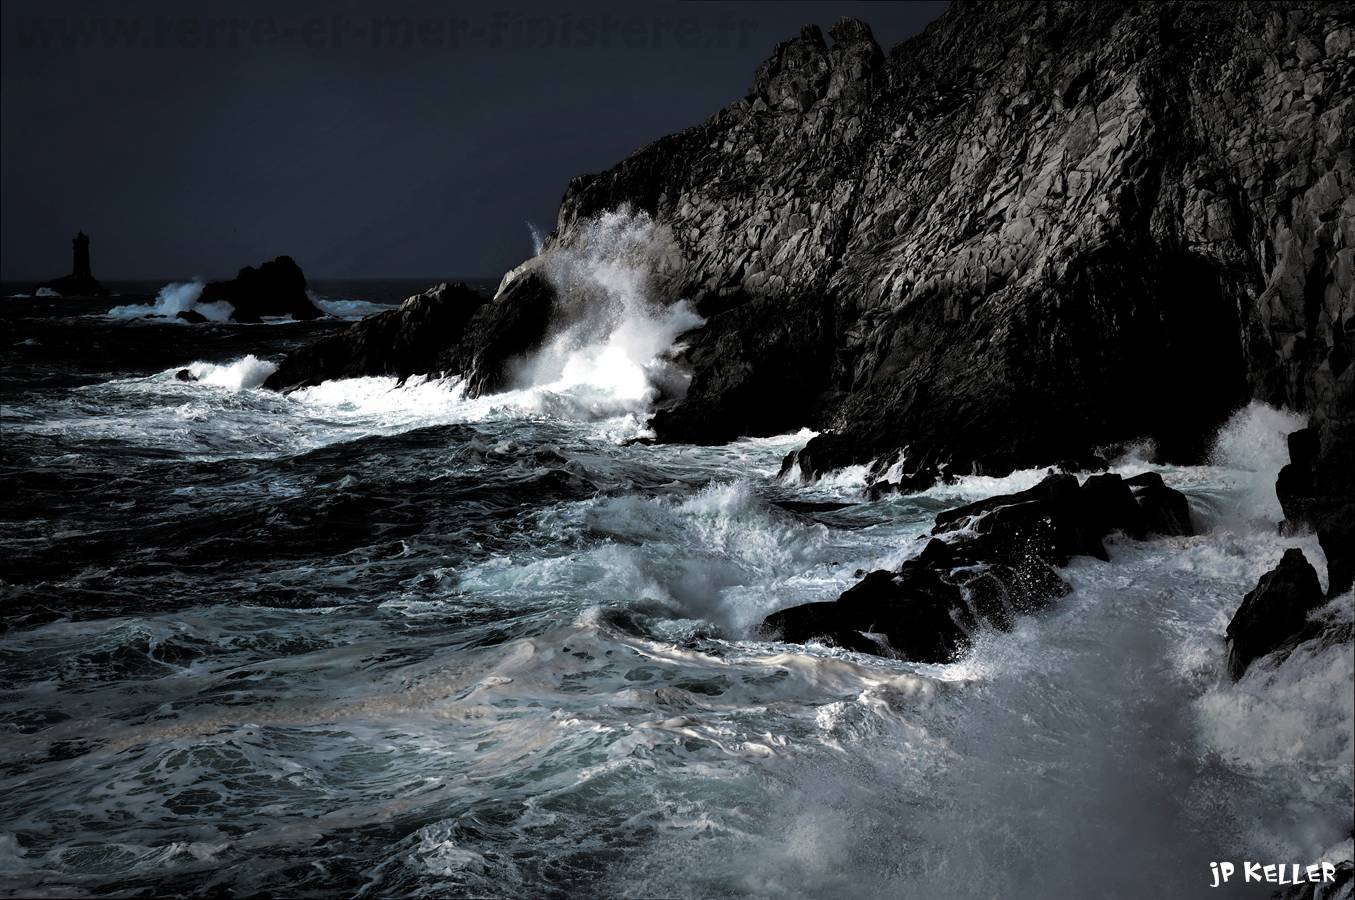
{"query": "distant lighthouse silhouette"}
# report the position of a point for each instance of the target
(80, 283)
(80, 263)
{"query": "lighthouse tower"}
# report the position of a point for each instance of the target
(80, 264)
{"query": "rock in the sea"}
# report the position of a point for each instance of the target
(503, 331)
(81, 282)
(191, 316)
(1273, 613)
(1317, 489)
(999, 558)
(275, 288)
(1165, 511)
(411, 339)
(448, 329)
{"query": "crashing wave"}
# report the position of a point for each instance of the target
(173, 299)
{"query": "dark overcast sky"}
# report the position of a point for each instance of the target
(409, 139)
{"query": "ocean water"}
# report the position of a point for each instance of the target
(375, 639)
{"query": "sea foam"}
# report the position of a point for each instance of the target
(173, 299)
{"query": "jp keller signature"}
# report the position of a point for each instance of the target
(1275, 873)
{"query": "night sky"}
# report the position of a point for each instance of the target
(409, 139)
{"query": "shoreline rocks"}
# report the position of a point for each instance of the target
(1274, 612)
(448, 329)
(984, 309)
(404, 341)
(988, 562)
(1317, 492)
(876, 261)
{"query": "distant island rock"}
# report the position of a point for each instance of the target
(275, 288)
(81, 282)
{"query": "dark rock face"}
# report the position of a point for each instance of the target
(1010, 240)
(1165, 511)
(512, 325)
(404, 341)
(999, 559)
(275, 288)
(1317, 492)
(729, 397)
(1274, 612)
(81, 282)
(447, 329)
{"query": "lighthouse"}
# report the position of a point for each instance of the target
(80, 263)
(80, 283)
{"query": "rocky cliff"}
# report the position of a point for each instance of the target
(1032, 230)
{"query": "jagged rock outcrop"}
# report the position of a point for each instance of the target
(81, 282)
(404, 341)
(1033, 230)
(1275, 612)
(998, 559)
(1317, 492)
(275, 288)
(1013, 238)
(448, 329)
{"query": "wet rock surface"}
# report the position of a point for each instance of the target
(991, 561)
(404, 341)
(1317, 492)
(1008, 240)
(448, 329)
(1274, 613)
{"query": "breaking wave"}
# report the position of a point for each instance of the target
(173, 299)
(610, 352)
(478, 646)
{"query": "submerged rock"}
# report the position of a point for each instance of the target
(275, 288)
(999, 558)
(1273, 613)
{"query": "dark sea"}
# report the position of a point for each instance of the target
(374, 639)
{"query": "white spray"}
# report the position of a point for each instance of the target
(173, 299)
(609, 352)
